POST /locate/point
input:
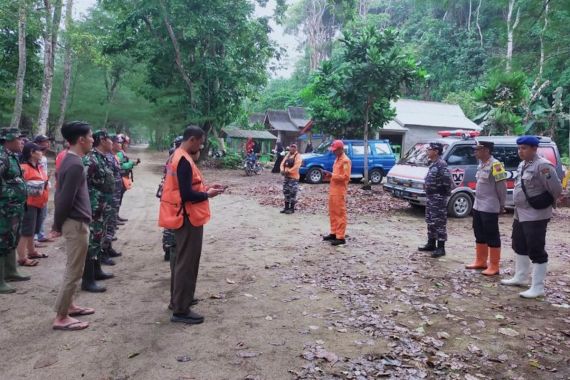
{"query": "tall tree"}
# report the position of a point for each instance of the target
(367, 76)
(67, 65)
(22, 59)
(52, 19)
(514, 7)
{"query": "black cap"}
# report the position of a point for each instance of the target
(484, 144)
(436, 146)
(41, 138)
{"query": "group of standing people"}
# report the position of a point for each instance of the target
(92, 174)
(537, 187)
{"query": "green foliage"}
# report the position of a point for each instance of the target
(9, 59)
(466, 101)
(353, 91)
(224, 52)
(502, 100)
(231, 160)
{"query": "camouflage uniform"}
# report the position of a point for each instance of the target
(438, 184)
(115, 196)
(168, 239)
(12, 201)
(101, 183)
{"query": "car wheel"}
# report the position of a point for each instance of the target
(314, 175)
(376, 176)
(460, 205)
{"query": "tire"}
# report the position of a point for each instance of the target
(460, 205)
(375, 176)
(314, 175)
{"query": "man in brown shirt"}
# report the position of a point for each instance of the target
(71, 219)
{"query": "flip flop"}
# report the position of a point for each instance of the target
(82, 311)
(73, 326)
(37, 255)
(28, 263)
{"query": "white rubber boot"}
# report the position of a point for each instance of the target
(522, 272)
(537, 288)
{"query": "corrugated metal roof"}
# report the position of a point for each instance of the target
(298, 116)
(393, 125)
(279, 120)
(256, 118)
(432, 114)
(245, 133)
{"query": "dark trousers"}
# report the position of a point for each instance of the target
(185, 274)
(529, 239)
(486, 228)
(436, 217)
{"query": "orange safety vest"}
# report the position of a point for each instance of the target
(36, 174)
(172, 213)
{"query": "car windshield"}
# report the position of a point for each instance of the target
(417, 156)
(323, 148)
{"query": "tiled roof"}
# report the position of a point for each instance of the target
(245, 133)
(279, 120)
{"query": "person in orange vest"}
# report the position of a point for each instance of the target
(184, 208)
(290, 170)
(38, 195)
(339, 179)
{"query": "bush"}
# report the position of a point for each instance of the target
(231, 161)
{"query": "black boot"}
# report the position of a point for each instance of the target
(291, 208)
(105, 259)
(329, 237)
(429, 247)
(99, 274)
(167, 254)
(285, 209)
(88, 283)
(440, 250)
(113, 253)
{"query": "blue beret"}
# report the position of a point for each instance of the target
(528, 140)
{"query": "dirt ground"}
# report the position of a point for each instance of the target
(281, 304)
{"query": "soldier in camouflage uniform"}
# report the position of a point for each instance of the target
(101, 184)
(438, 186)
(12, 203)
(113, 209)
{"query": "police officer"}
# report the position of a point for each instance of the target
(537, 187)
(438, 185)
(490, 195)
(100, 183)
(12, 203)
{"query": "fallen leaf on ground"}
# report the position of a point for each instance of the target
(508, 331)
(248, 354)
(183, 358)
(46, 360)
(230, 281)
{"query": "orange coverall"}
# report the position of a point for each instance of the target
(337, 195)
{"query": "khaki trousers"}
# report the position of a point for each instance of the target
(185, 274)
(76, 236)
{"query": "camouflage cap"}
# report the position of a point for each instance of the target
(9, 134)
(436, 146)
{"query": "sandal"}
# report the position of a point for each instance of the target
(37, 255)
(27, 262)
(80, 311)
(73, 326)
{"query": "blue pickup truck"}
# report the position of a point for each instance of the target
(380, 161)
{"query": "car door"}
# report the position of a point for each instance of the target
(462, 165)
(382, 156)
(357, 157)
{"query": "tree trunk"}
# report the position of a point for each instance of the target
(479, 25)
(363, 8)
(469, 17)
(366, 131)
(21, 66)
(542, 32)
(111, 85)
(67, 66)
(220, 140)
(50, 44)
(177, 54)
(511, 26)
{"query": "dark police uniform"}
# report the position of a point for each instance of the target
(438, 184)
